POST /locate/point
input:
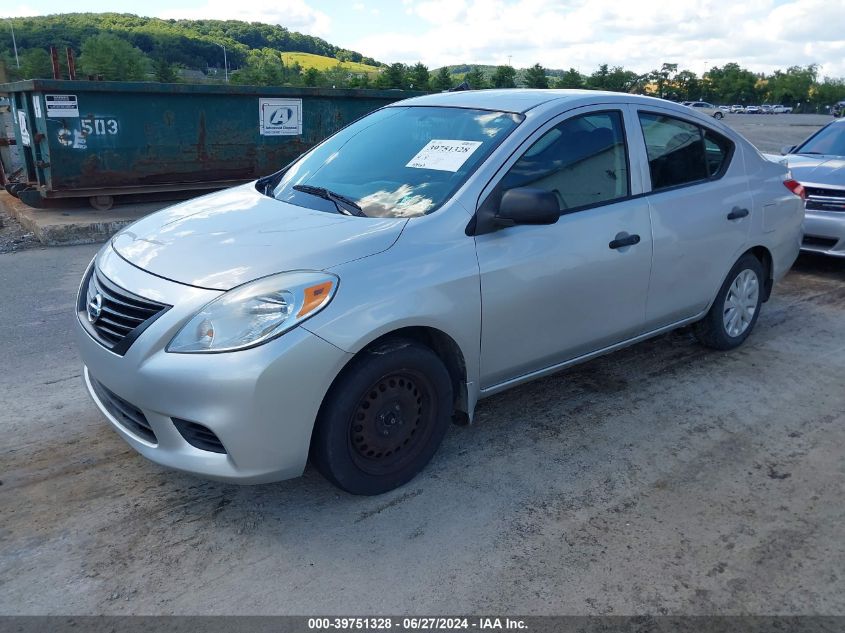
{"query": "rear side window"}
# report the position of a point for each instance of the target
(583, 161)
(680, 152)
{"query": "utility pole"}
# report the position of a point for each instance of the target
(14, 43)
(225, 62)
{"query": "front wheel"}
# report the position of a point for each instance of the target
(718, 115)
(383, 419)
(736, 308)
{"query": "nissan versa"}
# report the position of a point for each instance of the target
(437, 251)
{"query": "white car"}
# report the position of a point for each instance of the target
(781, 109)
(707, 108)
(738, 109)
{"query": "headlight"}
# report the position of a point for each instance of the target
(256, 312)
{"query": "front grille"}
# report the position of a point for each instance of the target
(823, 199)
(128, 415)
(199, 436)
(819, 242)
(123, 315)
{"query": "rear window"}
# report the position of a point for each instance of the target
(680, 152)
(829, 140)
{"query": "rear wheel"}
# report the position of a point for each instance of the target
(736, 308)
(718, 115)
(383, 419)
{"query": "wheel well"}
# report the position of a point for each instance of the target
(764, 257)
(441, 344)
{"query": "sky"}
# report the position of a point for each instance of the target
(762, 35)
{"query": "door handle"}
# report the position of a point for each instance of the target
(737, 213)
(623, 239)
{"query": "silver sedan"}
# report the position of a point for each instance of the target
(819, 165)
(435, 252)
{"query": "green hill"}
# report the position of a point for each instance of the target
(193, 44)
(321, 62)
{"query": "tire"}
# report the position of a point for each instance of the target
(741, 292)
(718, 115)
(383, 418)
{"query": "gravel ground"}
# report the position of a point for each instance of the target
(662, 479)
(13, 237)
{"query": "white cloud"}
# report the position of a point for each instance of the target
(296, 15)
(21, 11)
(697, 34)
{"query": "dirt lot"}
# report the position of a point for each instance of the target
(663, 479)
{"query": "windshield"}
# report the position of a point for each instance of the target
(829, 140)
(398, 161)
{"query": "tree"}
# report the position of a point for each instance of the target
(337, 76)
(535, 77)
(504, 77)
(442, 81)
(262, 67)
(570, 79)
(685, 86)
(394, 76)
(113, 58)
(730, 84)
(792, 86)
(35, 64)
(164, 71)
(311, 77)
(615, 79)
(475, 78)
(419, 77)
(661, 78)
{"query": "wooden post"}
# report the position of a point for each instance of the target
(71, 64)
(54, 58)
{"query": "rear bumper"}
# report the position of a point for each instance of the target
(824, 232)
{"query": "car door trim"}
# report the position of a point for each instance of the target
(552, 369)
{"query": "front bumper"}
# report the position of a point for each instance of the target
(824, 232)
(261, 403)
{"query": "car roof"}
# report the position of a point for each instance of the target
(515, 99)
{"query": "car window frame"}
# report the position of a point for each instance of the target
(489, 189)
(726, 163)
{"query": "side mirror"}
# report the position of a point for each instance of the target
(787, 149)
(527, 205)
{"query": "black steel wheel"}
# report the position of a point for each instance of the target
(383, 418)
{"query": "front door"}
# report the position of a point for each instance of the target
(553, 293)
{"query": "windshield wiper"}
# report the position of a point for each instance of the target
(343, 204)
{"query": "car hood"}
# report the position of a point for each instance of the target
(227, 238)
(818, 170)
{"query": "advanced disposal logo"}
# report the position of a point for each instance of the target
(280, 117)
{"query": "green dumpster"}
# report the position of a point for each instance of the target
(97, 140)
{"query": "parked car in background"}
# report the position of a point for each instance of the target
(738, 109)
(781, 109)
(686, 103)
(767, 109)
(335, 308)
(724, 108)
(707, 108)
(838, 109)
(819, 165)
(752, 109)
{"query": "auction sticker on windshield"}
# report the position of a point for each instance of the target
(444, 155)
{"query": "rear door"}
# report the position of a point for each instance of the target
(700, 208)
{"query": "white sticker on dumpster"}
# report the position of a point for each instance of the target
(62, 106)
(280, 117)
(25, 138)
(444, 155)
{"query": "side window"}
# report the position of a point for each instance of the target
(583, 161)
(717, 149)
(680, 152)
